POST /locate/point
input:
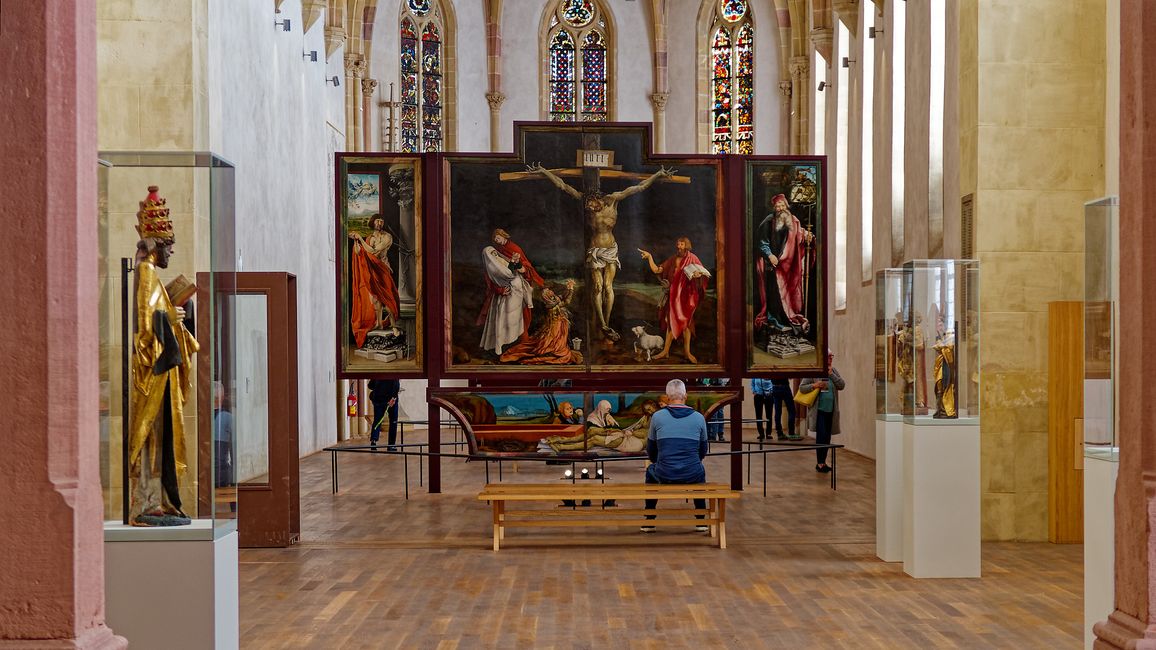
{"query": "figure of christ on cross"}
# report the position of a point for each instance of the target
(601, 211)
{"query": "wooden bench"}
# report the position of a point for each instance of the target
(498, 494)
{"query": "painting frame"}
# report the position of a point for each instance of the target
(380, 304)
(786, 300)
(637, 162)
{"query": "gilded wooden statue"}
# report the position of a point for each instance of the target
(162, 357)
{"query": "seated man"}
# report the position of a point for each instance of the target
(676, 446)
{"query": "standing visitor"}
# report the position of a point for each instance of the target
(825, 410)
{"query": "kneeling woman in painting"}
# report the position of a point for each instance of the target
(825, 413)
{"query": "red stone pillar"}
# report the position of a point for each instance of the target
(1133, 624)
(52, 589)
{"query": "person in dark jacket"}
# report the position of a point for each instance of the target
(383, 395)
(676, 445)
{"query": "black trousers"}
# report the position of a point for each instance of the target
(379, 411)
(823, 422)
(761, 405)
(782, 399)
(651, 504)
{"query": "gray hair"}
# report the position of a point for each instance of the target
(676, 389)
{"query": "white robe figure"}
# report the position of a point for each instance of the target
(504, 320)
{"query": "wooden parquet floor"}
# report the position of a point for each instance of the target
(377, 571)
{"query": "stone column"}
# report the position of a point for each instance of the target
(368, 86)
(800, 104)
(495, 100)
(659, 102)
(1133, 624)
(334, 38)
(52, 590)
(785, 135)
(354, 71)
(402, 190)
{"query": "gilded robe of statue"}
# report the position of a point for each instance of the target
(161, 375)
(945, 378)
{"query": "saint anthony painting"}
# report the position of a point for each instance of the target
(379, 239)
(581, 254)
(785, 234)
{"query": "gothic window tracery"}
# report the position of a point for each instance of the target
(732, 66)
(578, 41)
(422, 59)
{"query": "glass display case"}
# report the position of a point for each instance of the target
(889, 321)
(167, 344)
(938, 343)
(1101, 310)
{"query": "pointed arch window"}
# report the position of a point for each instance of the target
(732, 67)
(578, 40)
(422, 60)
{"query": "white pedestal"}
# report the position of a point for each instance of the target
(172, 588)
(1099, 542)
(941, 526)
(889, 490)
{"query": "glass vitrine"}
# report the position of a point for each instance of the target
(938, 342)
(889, 381)
(1101, 310)
(167, 344)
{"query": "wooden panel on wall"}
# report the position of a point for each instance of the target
(1065, 410)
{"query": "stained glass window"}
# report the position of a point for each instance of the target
(419, 7)
(562, 105)
(733, 10)
(732, 67)
(593, 78)
(578, 13)
(420, 124)
(579, 56)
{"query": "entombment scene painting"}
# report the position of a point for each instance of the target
(379, 259)
(562, 424)
(583, 254)
(786, 268)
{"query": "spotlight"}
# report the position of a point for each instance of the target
(335, 80)
(285, 25)
(311, 56)
(599, 472)
(568, 474)
(822, 85)
(585, 473)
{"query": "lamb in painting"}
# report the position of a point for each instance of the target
(648, 343)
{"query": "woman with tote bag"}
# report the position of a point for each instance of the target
(824, 411)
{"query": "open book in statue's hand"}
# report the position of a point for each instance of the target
(180, 290)
(693, 271)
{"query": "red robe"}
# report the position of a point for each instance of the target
(370, 277)
(676, 312)
(507, 250)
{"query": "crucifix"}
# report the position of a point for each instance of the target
(601, 212)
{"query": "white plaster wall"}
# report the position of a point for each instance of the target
(473, 109)
(520, 56)
(768, 103)
(473, 121)
(635, 61)
(272, 115)
(852, 329)
(682, 75)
